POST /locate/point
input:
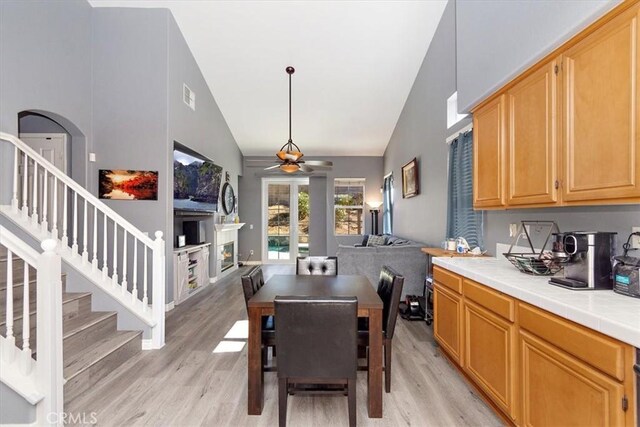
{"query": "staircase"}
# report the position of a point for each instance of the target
(53, 347)
(92, 345)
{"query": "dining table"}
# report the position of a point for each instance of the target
(369, 306)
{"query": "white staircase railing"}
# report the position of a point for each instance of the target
(93, 238)
(39, 381)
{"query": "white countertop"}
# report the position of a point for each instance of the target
(612, 314)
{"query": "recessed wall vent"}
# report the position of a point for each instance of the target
(188, 96)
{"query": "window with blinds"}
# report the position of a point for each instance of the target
(348, 201)
(462, 220)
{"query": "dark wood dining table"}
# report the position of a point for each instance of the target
(369, 305)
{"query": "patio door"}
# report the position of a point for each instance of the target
(285, 213)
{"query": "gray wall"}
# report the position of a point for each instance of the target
(498, 39)
(420, 132)
(14, 409)
(321, 189)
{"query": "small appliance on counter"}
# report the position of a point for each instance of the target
(626, 271)
(589, 255)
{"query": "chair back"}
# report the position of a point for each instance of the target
(317, 265)
(251, 283)
(316, 337)
(389, 289)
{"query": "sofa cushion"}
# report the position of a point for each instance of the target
(376, 240)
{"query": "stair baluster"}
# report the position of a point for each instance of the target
(45, 202)
(74, 247)
(85, 252)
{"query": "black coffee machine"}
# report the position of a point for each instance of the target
(589, 264)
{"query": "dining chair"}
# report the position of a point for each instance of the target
(251, 283)
(317, 344)
(317, 265)
(389, 289)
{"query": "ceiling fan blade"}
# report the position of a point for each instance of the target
(272, 167)
(305, 168)
(320, 163)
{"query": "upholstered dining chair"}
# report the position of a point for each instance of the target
(317, 265)
(317, 344)
(389, 289)
(251, 283)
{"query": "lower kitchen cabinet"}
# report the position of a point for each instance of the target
(489, 355)
(560, 390)
(447, 314)
(535, 368)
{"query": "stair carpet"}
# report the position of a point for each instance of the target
(92, 345)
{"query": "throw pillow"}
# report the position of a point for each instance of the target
(376, 240)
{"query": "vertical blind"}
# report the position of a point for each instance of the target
(462, 220)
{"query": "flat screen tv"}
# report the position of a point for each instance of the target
(196, 182)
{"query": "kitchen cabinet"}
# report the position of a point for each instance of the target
(566, 132)
(602, 113)
(447, 315)
(489, 134)
(489, 355)
(533, 367)
(531, 148)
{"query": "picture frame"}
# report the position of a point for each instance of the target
(126, 184)
(410, 179)
(227, 177)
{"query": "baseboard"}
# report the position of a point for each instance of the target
(252, 263)
(213, 279)
(147, 344)
(169, 306)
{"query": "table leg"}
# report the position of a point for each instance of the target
(375, 364)
(254, 365)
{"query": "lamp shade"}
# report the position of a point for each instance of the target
(375, 204)
(289, 167)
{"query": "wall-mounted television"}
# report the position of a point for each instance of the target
(196, 181)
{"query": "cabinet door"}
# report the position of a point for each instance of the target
(601, 114)
(447, 315)
(489, 154)
(532, 150)
(204, 267)
(181, 285)
(559, 390)
(489, 354)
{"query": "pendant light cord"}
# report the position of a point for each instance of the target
(290, 141)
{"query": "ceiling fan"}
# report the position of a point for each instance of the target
(289, 156)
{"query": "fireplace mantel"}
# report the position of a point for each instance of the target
(228, 226)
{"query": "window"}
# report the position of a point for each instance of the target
(348, 203)
(387, 205)
(462, 220)
(453, 116)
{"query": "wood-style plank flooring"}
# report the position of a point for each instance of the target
(185, 384)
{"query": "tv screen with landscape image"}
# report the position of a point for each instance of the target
(196, 183)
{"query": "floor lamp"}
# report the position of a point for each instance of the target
(374, 209)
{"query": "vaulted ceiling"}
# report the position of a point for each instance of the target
(355, 63)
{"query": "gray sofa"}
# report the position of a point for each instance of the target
(406, 259)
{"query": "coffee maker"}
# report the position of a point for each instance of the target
(589, 264)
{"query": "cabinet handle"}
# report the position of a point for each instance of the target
(556, 184)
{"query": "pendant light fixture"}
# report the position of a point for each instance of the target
(290, 152)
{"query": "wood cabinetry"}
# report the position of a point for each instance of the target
(534, 367)
(532, 149)
(602, 113)
(489, 154)
(572, 124)
(190, 271)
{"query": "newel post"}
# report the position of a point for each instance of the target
(158, 289)
(49, 334)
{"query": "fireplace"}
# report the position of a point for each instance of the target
(226, 256)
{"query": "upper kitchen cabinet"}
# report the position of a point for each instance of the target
(601, 114)
(532, 149)
(566, 131)
(489, 154)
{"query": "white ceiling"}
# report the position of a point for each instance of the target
(355, 64)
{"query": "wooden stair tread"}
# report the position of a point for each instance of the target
(67, 297)
(81, 361)
(77, 324)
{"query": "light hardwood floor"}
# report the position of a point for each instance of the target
(185, 384)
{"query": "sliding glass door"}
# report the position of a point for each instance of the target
(286, 212)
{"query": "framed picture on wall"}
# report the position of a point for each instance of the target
(410, 182)
(120, 184)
